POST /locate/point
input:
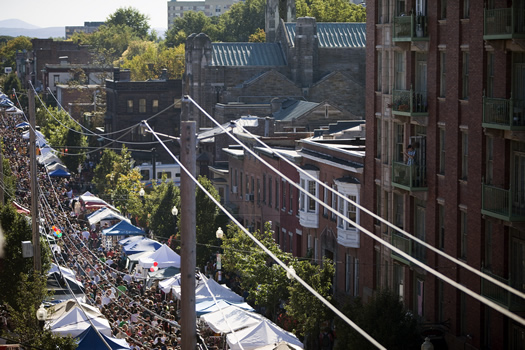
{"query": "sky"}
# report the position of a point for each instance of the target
(61, 13)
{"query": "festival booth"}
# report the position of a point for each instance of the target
(90, 339)
(260, 335)
(123, 228)
(105, 215)
(56, 166)
(164, 257)
(143, 245)
(57, 311)
(208, 306)
(76, 321)
(130, 239)
(57, 279)
(59, 173)
(90, 203)
(220, 291)
(237, 319)
(161, 275)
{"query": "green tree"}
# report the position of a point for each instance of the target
(241, 20)
(162, 220)
(301, 302)
(12, 82)
(258, 37)
(192, 22)
(8, 51)
(384, 318)
(62, 133)
(132, 18)
(206, 220)
(331, 10)
(110, 169)
(265, 280)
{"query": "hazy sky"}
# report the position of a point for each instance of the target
(61, 13)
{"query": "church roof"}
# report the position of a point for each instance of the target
(247, 54)
(293, 109)
(333, 35)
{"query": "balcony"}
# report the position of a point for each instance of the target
(309, 219)
(504, 23)
(348, 238)
(402, 243)
(501, 296)
(410, 28)
(503, 204)
(409, 103)
(409, 177)
(504, 114)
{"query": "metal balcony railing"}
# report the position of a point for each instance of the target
(506, 114)
(503, 204)
(409, 102)
(499, 295)
(410, 28)
(504, 23)
(409, 177)
(402, 243)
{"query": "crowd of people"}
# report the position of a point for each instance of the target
(145, 317)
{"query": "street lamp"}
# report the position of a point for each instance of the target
(174, 211)
(427, 345)
(41, 315)
(219, 234)
(141, 194)
(290, 274)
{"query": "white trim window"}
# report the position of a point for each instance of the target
(347, 233)
(308, 207)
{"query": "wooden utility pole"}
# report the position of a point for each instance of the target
(37, 262)
(188, 152)
(2, 185)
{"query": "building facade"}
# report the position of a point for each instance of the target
(447, 78)
(88, 28)
(210, 8)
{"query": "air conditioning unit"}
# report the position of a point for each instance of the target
(248, 197)
(234, 189)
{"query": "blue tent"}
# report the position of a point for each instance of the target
(59, 173)
(123, 228)
(21, 125)
(144, 245)
(6, 103)
(90, 339)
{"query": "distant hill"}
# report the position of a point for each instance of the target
(16, 23)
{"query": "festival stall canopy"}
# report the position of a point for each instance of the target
(263, 334)
(75, 322)
(59, 173)
(237, 319)
(22, 125)
(164, 274)
(65, 271)
(202, 292)
(20, 209)
(57, 311)
(144, 245)
(123, 228)
(129, 239)
(91, 202)
(164, 257)
(56, 166)
(105, 214)
(211, 306)
(13, 110)
(89, 340)
(279, 346)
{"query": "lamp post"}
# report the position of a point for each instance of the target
(219, 234)
(427, 345)
(141, 194)
(41, 315)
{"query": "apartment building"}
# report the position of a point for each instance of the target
(211, 8)
(448, 79)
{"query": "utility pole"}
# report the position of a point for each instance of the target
(188, 152)
(2, 176)
(37, 262)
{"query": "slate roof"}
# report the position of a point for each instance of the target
(247, 54)
(293, 109)
(333, 35)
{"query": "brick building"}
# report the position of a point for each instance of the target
(210, 8)
(448, 78)
(130, 102)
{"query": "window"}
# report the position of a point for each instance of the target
(155, 106)
(441, 226)
(386, 85)
(302, 196)
(379, 143)
(247, 184)
(334, 201)
(270, 191)
(464, 229)
(399, 61)
(400, 7)
(466, 8)
(283, 202)
(325, 200)
(443, 9)
(240, 185)
(142, 105)
(312, 189)
(290, 241)
(420, 289)
(56, 79)
(129, 108)
(348, 273)
(400, 141)
(442, 159)
(264, 188)
(443, 74)
(258, 190)
(290, 197)
(488, 245)
(398, 210)
(464, 155)
(276, 194)
(421, 82)
(464, 76)
(419, 250)
(489, 172)
(517, 259)
(351, 211)
(341, 210)
(489, 91)
(398, 281)
(379, 63)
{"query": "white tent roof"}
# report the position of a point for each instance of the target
(48, 157)
(56, 166)
(65, 271)
(104, 213)
(75, 322)
(218, 290)
(164, 256)
(262, 334)
(57, 311)
(237, 318)
(170, 283)
(205, 307)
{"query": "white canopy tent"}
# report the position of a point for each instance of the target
(236, 317)
(105, 214)
(263, 334)
(218, 290)
(164, 256)
(57, 311)
(75, 322)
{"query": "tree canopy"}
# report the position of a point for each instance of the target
(132, 18)
(147, 59)
(8, 51)
(331, 10)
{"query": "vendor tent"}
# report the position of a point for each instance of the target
(65, 271)
(59, 173)
(55, 165)
(123, 228)
(130, 239)
(13, 110)
(170, 283)
(211, 306)
(262, 334)
(164, 256)
(57, 311)
(202, 292)
(22, 125)
(237, 318)
(40, 138)
(90, 202)
(163, 274)
(89, 340)
(105, 214)
(144, 245)
(76, 321)
(279, 346)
